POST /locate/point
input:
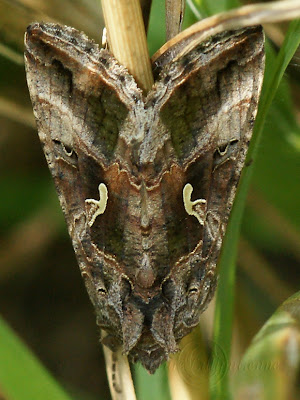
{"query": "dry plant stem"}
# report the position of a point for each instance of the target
(235, 19)
(127, 38)
(174, 17)
(119, 375)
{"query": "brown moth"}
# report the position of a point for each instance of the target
(146, 183)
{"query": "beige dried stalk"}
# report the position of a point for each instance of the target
(127, 39)
(119, 375)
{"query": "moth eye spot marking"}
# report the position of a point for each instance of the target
(224, 153)
(195, 208)
(97, 206)
(193, 290)
(222, 150)
(67, 149)
(102, 291)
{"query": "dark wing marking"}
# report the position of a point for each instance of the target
(82, 99)
(209, 107)
(209, 111)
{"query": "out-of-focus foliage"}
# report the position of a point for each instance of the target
(25, 379)
(269, 368)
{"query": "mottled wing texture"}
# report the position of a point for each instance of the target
(82, 100)
(207, 101)
(209, 111)
(146, 184)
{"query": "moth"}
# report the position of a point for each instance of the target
(146, 183)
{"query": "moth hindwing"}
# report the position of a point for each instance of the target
(146, 183)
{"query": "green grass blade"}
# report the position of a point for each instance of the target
(22, 377)
(269, 367)
(149, 387)
(225, 294)
(208, 7)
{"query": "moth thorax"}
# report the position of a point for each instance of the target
(145, 275)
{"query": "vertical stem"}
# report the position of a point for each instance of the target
(174, 17)
(127, 38)
(119, 375)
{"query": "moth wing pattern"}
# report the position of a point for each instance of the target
(146, 183)
(80, 104)
(209, 108)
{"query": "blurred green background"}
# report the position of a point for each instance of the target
(42, 296)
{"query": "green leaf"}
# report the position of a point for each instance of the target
(208, 7)
(149, 387)
(22, 377)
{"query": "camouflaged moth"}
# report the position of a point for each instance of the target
(146, 183)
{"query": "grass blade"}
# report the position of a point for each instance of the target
(149, 387)
(22, 377)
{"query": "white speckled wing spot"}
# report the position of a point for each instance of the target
(196, 208)
(98, 206)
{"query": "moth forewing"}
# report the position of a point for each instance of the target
(146, 184)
